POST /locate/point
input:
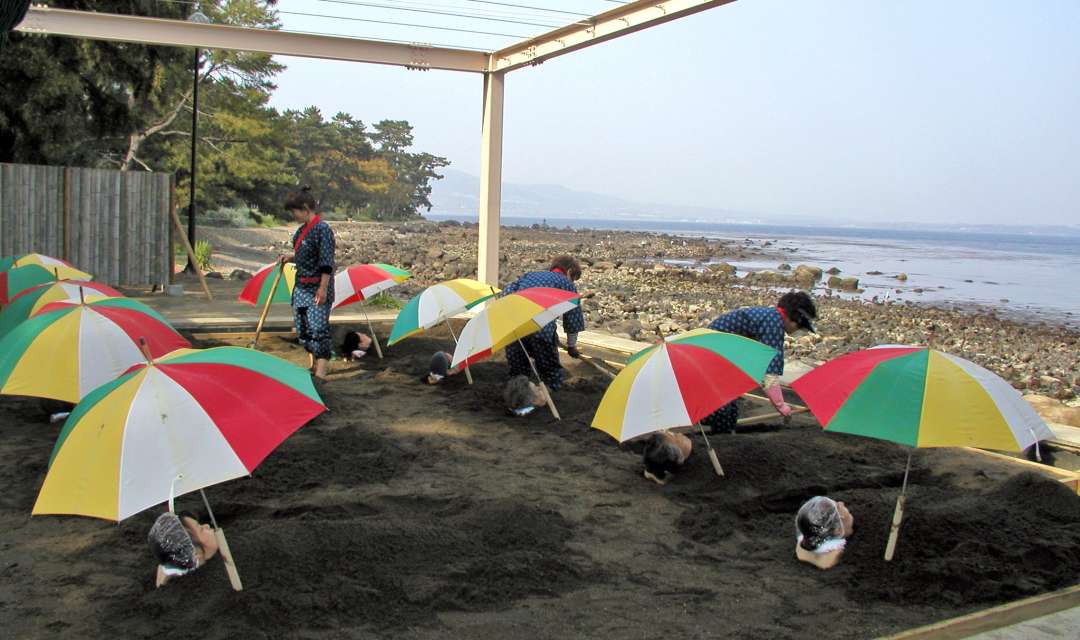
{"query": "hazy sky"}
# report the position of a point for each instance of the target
(922, 110)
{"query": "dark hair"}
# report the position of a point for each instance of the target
(301, 199)
(350, 343)
(813, 534)
(660, 457)
(518, 393)
(799, 307)
(568, 265)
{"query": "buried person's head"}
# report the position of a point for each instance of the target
(355, 345)
(665, 454)
(181, 544)
(822, 525)
(522, 396)
(439, 367)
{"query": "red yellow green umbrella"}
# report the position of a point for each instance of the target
(186, 421)
(362, 281)
(261, 287)
(68, 349)
(39, 259)
(32, 300)
(680, 381)
(919, 397)
(18, 278)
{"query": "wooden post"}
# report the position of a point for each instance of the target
(190, 252)
(67, 215)
(171, 238)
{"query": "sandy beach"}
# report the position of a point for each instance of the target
(411, 511)
(416, 511)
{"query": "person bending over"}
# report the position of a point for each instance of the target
(794, 312)
(822, 527)
(543, 345)
(522, 396)
(181, 545)
(665, 453)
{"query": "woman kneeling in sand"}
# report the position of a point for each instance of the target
(180, 544)
(822, 527)
(665, 453)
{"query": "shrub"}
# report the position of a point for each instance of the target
(203, 253)
(384, 300)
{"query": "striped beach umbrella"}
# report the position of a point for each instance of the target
(67, 349)
(362, 281)
(258, 289)
(680, 381)
(919, 397)
(39, 259)
(508, 319)
(437, 304)
(186, 421)
(19, 278)
(32, 300)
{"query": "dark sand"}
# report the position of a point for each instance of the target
(424, 512)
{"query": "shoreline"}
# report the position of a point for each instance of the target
(646, 298)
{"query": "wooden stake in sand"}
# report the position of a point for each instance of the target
(712, 454)
(468, 374)
(266, 305)
(190, 252)
(898, 515)
(223, 547)
(543, 387)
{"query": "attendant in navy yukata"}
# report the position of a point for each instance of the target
(543, 346)
(794, 312)
(313, 293)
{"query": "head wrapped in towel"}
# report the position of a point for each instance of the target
(172, 545)
(661, 458)
(819, 525)
(522, 396)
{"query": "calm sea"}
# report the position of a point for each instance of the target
(1021, 275)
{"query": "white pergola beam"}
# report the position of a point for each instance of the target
(631, 17)
(157, 31)
(491, 139)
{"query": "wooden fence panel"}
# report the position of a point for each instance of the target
(116, 223)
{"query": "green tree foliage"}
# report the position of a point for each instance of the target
(126, 106)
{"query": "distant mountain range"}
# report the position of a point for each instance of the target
(458, 195)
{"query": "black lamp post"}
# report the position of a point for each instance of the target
(200, 18)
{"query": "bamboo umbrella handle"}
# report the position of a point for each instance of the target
(543, 387)
(468, 374)
(374, 338)
(266, 305)
(894, 529)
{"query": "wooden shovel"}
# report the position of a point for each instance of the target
(266, 305)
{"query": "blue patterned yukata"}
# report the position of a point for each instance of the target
(543, 345)
(314, 257)
(764, 324)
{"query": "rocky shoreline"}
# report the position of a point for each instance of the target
(685, 282)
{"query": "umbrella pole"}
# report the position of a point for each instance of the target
(712, 454)
(468, 375)
(223, 547)
(543, 387)
(374, 338)
(898, 515)
(266, 306)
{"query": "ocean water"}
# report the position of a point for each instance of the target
(1033, 277)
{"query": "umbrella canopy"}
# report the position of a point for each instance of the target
(258, 288)
(921, 398)
(32, 300)
(362, 281)
(510, 318)
(436, 304)
(39, 259)
(17, 279)
(680, 381)
(68, 349)
(194, 417)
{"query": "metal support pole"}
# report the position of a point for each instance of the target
(487, 268)
(191, 267)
